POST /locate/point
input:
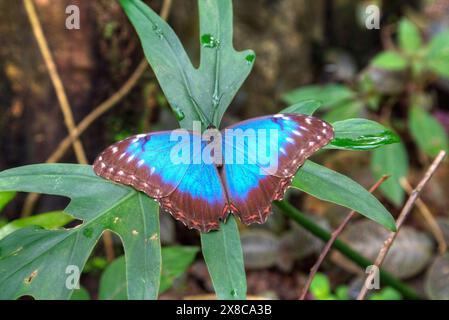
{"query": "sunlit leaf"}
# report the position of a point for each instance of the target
(389, 60)
(50, 220)
(360, 134)
(222, 70)
(409, 36)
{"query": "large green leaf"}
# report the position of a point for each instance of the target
(391, 160)
(331, 186)
(5, 198)
(175, 261)
(224, 257)
(361, 134)
(49, 220)
(331, 95)
(409, 37)
(38, 262)
(190, 91)
(428, 133)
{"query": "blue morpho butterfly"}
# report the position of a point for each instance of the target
(240, 179)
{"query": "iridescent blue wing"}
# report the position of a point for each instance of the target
(262, 155)
(188, 188)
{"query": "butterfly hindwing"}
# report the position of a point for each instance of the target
(286, 141)
(191, 191)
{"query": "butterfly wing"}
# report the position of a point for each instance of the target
(190, 190)
(286, 141)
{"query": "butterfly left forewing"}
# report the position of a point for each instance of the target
(188, 188)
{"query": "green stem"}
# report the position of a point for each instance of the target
(385, 277)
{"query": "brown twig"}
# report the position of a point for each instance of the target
(331, 241)
(55, 78)
(428, 217)
(399, 222)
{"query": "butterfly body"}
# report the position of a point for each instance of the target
(201, 178)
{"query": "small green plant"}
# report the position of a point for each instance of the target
(321, 290)
(32, 258)
(396, 80)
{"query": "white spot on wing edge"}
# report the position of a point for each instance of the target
(114, 149)
(290, 140)
(140, 163)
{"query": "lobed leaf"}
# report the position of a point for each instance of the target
(39, 262)
(5, 198)
(191, 92)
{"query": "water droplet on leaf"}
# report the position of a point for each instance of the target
(209, 41)
(179, 114)
(158, 31)
(250, 58)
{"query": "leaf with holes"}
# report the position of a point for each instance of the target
(39, 262)
(202, 93)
